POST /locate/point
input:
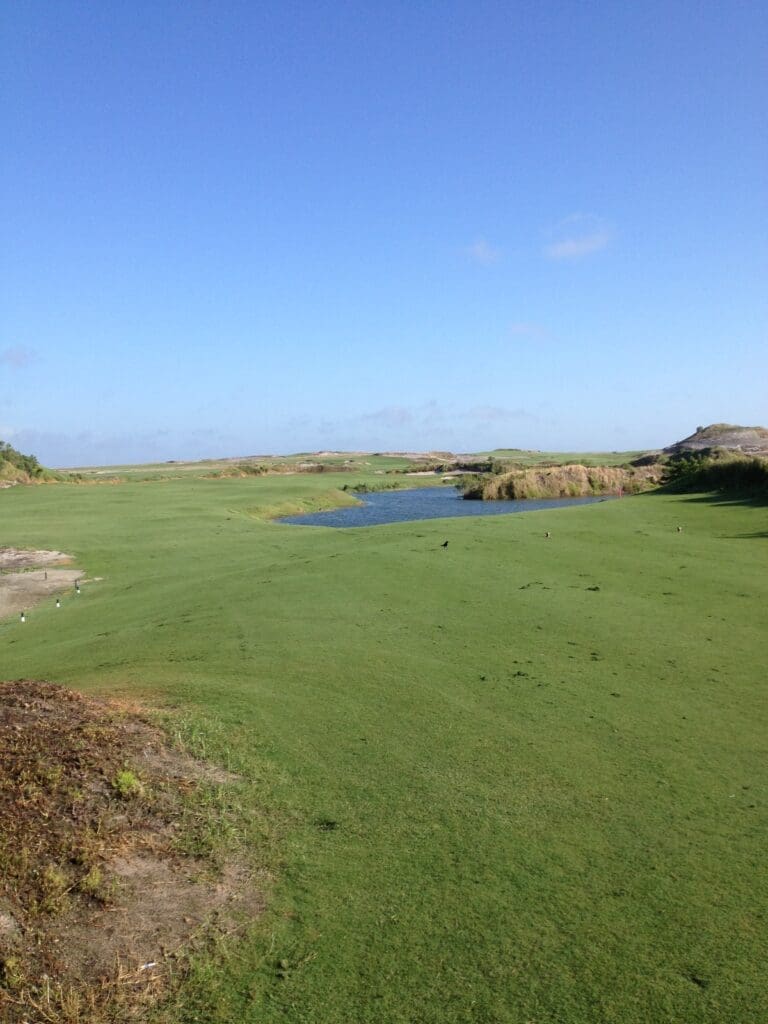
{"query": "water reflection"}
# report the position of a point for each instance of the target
(382, 507)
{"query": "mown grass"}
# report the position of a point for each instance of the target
(363, 462)
(524, 457)
(517, 779)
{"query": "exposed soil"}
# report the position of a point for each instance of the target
(97, 900)
(20, 591)
(749, 440)
(29, 577)
(19, 558)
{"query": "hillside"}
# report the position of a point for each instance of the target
(749, 440)
(16, 468)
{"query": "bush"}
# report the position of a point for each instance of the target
(714, 469)
(25, 463)
(127, 785)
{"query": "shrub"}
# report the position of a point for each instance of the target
(127, 785)
(717, 469)
(25, 464)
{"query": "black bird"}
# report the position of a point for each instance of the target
(444, 544)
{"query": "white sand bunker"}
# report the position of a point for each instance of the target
(29, 577)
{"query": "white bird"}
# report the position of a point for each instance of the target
(58, 603)
(23, 617)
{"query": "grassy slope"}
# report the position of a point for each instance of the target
(550, 799)
(520, 457)
(359, 461)
(349, 462)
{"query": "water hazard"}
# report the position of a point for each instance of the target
(382, 507)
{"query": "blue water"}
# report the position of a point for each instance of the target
(425, 503)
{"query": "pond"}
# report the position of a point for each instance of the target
(424, 503)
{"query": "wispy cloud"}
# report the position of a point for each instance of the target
(498, 414)
(390, 416)
(17, 357)
(528, 330)
(482, 252)
(92, 448)
(577, 236)
(429, 426)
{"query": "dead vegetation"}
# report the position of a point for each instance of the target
(569, 481)
(99, 902)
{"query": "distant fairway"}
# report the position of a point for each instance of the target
(515, 780)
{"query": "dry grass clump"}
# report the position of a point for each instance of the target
(571, 481)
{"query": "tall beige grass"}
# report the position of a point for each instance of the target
(571, 482)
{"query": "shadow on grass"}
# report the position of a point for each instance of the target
(749, 499)
(733, 499)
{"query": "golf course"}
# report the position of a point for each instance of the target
(516, 779)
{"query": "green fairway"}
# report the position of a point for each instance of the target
(525, 458)
(515, 780)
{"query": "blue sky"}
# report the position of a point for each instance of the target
(233, 228)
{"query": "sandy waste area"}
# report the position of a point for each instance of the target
(29, 577)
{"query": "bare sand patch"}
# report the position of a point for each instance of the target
(26, 558)
(28, 577)
(20, 591)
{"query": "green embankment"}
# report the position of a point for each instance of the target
(348, 462)
(545, 759)
(523, 457)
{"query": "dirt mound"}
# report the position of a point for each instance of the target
(97, 898)
(750, 440)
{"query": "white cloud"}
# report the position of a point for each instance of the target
(17, 357)
(483, 252)
(578, 235)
